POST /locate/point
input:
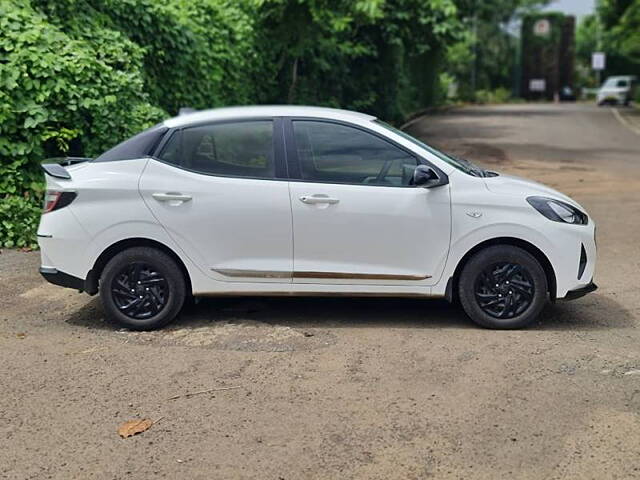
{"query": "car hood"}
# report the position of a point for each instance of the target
(517, 186)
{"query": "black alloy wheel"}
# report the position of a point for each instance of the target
(142, 288)
(503, 287)
(504, 290)
(139, 291)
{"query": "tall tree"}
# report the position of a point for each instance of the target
(362, 54)
(485, 56)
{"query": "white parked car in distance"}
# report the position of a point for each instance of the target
(619, 90)
(287, 200)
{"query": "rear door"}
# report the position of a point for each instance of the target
(221, 192)
(356, 217)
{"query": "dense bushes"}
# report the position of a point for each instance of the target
(615, 30)
(378, 56)
(59, 91)
(77, 76)
(499, 95)
(19, 220)
(197, 54)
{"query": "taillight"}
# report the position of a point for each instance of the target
(54, 200)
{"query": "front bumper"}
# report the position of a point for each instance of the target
(618, 98)
(580, 292)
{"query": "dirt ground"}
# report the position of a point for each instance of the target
(350, 388)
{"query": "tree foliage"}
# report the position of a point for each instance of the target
(485, 56)
(78, 76)
(621, 22)
(614, 29)
(60, 91)
(361, 54)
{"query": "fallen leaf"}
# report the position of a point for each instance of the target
(133, 427)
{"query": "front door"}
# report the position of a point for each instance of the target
(356, 218)
(221, 193)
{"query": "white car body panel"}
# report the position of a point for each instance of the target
(371, 230)
(111, 210)
(229, 224)
(240, 224)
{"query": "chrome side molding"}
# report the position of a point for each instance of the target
(239, 273)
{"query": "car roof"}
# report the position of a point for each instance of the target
(229, 113)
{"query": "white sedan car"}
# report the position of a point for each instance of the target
(285, 200)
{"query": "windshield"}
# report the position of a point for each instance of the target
(460, 163)
(616, 82)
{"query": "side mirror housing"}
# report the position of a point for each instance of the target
(426, 177)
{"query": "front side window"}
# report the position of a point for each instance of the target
(335, 153)
(241, 149)
(459, 163)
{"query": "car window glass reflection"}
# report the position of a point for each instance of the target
(243, 149)
(334, 153)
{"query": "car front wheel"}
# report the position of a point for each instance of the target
(142, 288)
(503, 287)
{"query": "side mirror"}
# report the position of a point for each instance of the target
(426, 177)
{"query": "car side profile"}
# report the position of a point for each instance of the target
(288, 200)
(620, 90)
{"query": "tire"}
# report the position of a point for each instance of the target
(142, 288)
(503, 287)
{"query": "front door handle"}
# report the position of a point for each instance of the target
(319, 198)
(171, 197)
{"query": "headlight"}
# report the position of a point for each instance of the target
(558, 211)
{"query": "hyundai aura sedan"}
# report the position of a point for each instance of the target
(284, 200)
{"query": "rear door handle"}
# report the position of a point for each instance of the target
(171, 197)
(318, 198)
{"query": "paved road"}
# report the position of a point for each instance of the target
(342, 388)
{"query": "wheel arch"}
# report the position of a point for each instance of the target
(452, 284)
(93, 277)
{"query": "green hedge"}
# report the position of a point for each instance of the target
(78, 76)
(19, 221)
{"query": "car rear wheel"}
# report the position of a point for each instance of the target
(503, 287)
(142, 288)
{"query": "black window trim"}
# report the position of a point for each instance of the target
(280, 162)
(159, 129)
(295, 169)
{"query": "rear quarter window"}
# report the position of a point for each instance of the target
(141, 145)
(239, 149)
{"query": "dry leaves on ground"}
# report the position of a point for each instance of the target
(133, 427)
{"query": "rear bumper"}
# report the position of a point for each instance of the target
(580, 292)
(53, 275)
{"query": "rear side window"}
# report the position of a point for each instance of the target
(336, 153)
(136, 147)
(240, 149)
